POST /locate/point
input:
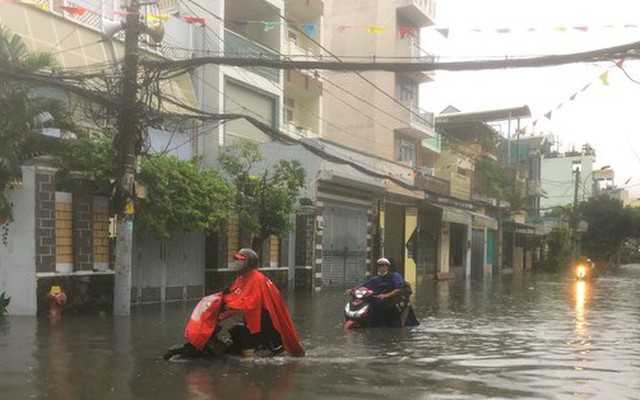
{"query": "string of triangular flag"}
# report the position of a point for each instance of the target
(310, 28)
(602, 77)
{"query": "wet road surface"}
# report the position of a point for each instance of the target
(532, 336)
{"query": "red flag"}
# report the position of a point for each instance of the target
(77, 10)
(405, 30)
(194, 20)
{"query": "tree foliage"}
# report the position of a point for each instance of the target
(609, 225)
(263, 202)
(4, 304)
(22, 114)
(559, 247)
(494, 180)
(179, 195)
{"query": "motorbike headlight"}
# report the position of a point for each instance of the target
(359, 294)
(581, 271)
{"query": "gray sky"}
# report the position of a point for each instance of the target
(607, 117)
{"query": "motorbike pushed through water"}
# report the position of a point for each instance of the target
(211, 330)
(366, 309)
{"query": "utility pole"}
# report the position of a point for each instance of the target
(127, 147)
(574, 218)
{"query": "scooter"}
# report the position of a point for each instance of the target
(208, 333)
(364, 309)
(358, 311)
(584, 269)
(201, 332)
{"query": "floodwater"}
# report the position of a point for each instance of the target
(530, 336)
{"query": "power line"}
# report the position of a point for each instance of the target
(627, 51)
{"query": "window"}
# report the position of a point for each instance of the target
(406, 91)
(405, 150)
(287, 109)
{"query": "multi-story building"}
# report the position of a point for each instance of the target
(561, 174)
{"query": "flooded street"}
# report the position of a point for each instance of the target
(532, 336)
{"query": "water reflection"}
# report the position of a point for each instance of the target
(269, 379)
(581, 299)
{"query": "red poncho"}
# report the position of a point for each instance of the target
(253, 292)
(250, 293)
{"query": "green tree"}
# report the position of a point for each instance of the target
(22, 114)
(609, 225)
(494, 180)
(179, 195)
(263, 203)
(559, 248)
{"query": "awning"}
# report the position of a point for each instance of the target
(346, 175)
(466, 217)
(516, 227)
(457, 216)
(484, 221)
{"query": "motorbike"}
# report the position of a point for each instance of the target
(584, 269)
(209, 334)
(364, 309)
(203, 332)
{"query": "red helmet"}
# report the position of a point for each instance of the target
(250, 256)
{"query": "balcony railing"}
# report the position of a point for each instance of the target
(433, 143)
(238, 46)
(422, 119)
(420, 55)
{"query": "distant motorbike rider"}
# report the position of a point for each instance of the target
(266, 320)
(392, 293)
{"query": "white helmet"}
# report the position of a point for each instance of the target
(383, 261)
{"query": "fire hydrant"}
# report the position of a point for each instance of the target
(57, 299)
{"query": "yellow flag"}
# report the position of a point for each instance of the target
(157, 17)
(375, 29)
(43, 7)
(604, 77)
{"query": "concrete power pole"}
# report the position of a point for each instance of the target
(574, 219)
(127, 148)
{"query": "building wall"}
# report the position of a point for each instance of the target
(367, 129)
(17, 256)
(558, 180)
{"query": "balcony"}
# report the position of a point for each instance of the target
(418, 12)
(238, 46)
(418, 55)
(425, 180)
(433, 143)
(421, 123)
(304, 10)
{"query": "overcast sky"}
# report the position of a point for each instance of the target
(607, 117)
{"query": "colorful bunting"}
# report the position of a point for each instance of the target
(194, 20)
(269, 25)
(74, 10)
(43, 7)
(375, 29)
(157, 17)
(310, 28)
(443, 32)
(548, 115)
(604, 77)
(403, 31)
(341, 28)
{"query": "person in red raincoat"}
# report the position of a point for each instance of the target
(267, 323)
